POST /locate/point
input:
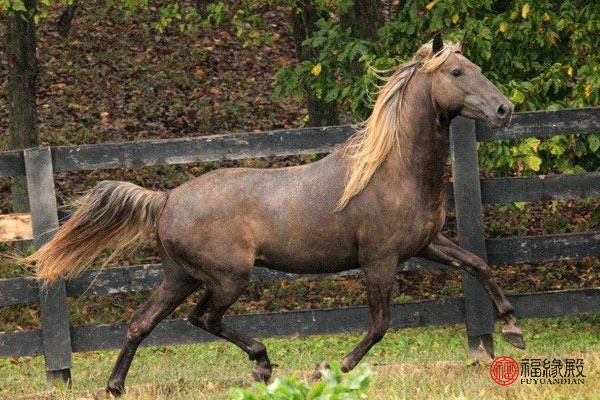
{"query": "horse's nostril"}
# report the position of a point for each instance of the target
(501, 111)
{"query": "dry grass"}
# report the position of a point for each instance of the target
(452, 380)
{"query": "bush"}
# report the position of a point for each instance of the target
(540, 54)
(334, 386)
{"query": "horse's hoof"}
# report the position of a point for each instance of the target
(261, 374)
(116, 391)
(513, 335)
(317, 375)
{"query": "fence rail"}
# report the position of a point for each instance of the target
(467, 194)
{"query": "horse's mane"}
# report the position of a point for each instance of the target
(368, 148)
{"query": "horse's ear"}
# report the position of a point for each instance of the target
(438, 44)
(462, 42)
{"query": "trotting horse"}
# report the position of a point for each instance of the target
(372, 203)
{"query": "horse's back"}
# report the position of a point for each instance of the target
(282, 218)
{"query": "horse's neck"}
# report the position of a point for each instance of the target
(421, 152)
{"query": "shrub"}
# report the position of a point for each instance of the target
(540, 54)
(334, 386)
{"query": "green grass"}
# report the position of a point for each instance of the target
(415, 363)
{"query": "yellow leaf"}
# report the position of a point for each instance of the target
(588, 90)
(525, 10)
(570, 71)
(535, 145)
(502, 27)
(455, 18)
(533, 162)
(316, 70)
(431, 5)
(546, 17)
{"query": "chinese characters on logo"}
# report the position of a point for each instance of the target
(506, 370)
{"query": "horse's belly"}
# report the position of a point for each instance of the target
(311, 267)
(309, 258)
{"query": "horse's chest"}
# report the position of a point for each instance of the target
(406, 229)
(417, 230)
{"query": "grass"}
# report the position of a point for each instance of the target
(415, 363)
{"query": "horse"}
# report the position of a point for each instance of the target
(372, 203)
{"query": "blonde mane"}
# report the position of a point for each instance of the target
(368, 148)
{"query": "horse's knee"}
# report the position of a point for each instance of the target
(481, 266)
(477, 267)
(257, 351)
(379, 330)
(137, 331)
(378, 335)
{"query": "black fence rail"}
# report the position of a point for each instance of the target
(56, 340)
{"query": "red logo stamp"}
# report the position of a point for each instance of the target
(504, 370)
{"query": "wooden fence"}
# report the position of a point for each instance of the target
(56, 340)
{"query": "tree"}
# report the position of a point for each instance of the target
(540, 54)
(363, 18)
(22, 81)
(304, 20)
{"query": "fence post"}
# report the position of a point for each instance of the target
(53, 299)
(471, 236)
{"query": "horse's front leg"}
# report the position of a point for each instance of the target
(380, 278)
(444, 251)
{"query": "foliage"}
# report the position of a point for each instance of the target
(41, 7)
(334, 386)
(539, 54)
(565, 154)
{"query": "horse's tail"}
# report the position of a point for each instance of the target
(112, 214)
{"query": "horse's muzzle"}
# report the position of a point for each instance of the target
(502, 116)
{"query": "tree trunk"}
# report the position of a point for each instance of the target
(364, 18)
(304, 20)
(22, 78)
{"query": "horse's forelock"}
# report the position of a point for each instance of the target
(431, 62)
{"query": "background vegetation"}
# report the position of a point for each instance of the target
(539, 53)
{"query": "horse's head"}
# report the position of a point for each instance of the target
(459, 87)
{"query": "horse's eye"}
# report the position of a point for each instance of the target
(456, 72)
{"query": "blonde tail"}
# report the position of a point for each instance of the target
(112, 214)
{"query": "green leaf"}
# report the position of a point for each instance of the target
(316, 391)
(593, 142)
(517, 96)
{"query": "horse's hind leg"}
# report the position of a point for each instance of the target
(208, 315)
(174, 289)
(443, 250)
